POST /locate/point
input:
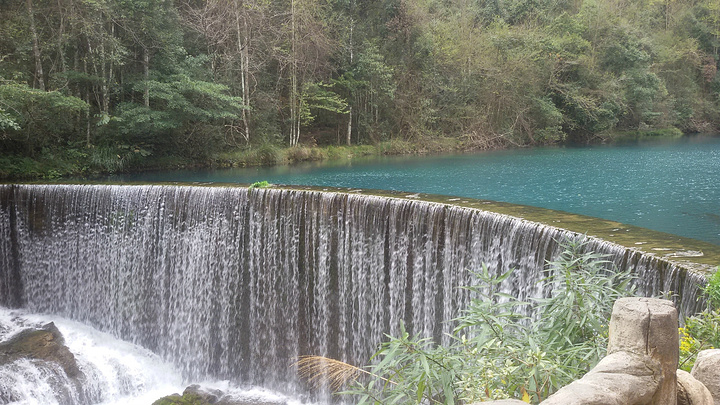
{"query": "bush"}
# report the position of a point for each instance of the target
(297, 154)
(266, 155)
(712, 290)
(260, 184)
(702, 331)
(496, 352)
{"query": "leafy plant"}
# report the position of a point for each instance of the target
(712, 290)
(498, 352)
(702, 331)
(259, 184)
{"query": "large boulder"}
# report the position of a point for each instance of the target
(641, 362)
(43, 355)
(197, 395)
(46, 344)
(707, 371)
(692, 391)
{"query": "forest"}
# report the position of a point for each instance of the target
(99, 86)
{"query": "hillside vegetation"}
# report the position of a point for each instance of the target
(101, 86)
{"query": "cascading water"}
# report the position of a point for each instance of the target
(231, 283)
(113, 372)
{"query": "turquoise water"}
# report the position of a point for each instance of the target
(671, 185)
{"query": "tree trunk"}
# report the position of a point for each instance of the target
(39, 76)
(60, 34)
(352, 57)
(295, 126)
(88, 134)
(108, 80)
(104, 96)
(349, 127)
(242, 43)
(146, 75)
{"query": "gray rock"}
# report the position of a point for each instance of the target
(707, 371)
(641, 362)
(648, 326)
(620, 378)
(692, 391)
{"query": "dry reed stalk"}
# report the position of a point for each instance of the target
(319, 371)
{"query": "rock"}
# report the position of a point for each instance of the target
(641, 362)
(227, 400)
(620, 378)
(648, 326)
(197, 395)
(174, 399)
(45, 349)
(502, 402)
(204, 395)
(40, 344)
(692, 391)
(707, 371)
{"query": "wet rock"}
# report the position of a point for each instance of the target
(197, 395)
(45, 344)
(204, 395)
(43, 352)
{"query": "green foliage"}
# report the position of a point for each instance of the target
(193, 81)
(316, 96)
(7, 122)
(177, 101)
(702, 331)
(549, 120)
(112, 159)
(712, 290)
(297, 154)
(498, 353)
(260, 184)
(38, 118)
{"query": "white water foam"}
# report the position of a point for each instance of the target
(117, 372)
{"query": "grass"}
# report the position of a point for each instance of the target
(108, 160)
(671, 132)
(268, 155)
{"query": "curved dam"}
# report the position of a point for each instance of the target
(235, 283)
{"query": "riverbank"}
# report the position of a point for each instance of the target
(89, 162)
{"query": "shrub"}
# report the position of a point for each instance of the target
(702, 331)
(260, 184)
(266, 155)
(712, 290)
(498, 353)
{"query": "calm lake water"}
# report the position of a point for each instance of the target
(670, 185)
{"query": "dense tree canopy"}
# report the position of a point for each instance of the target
(100, 84)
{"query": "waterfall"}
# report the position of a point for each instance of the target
(232, 283)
